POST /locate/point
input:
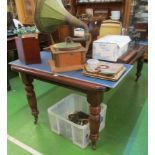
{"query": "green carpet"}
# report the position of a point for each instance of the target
(125, 132)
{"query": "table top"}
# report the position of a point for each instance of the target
(133, 54)
(74, 76)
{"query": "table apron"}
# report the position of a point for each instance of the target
(61, 81)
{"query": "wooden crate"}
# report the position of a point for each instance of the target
(67, 60)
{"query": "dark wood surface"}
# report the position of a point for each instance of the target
(28, 49)
(94, 92)
(135, 54)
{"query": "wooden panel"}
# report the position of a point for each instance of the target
(146, 53)
(29, 8)
(70, 5)
(67, 59)
(56, 69)
(25, 11)
(20, 11)
(127, 6)
(64, 31)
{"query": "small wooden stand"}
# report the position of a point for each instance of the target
(67, 60)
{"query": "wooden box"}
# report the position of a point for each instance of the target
(28, 49)
(67, 60)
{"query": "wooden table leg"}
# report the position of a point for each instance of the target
(94, 99)
(31, 97)
(139, 67)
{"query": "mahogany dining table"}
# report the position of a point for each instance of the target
(93, 88)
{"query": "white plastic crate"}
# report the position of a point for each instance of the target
(58, 117)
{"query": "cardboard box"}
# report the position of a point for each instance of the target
(110, 47)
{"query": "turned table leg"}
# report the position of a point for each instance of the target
(31, 97)
(94, 99)
(139, 67)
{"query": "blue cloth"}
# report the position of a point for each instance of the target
(143, 42)
(44, 67)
